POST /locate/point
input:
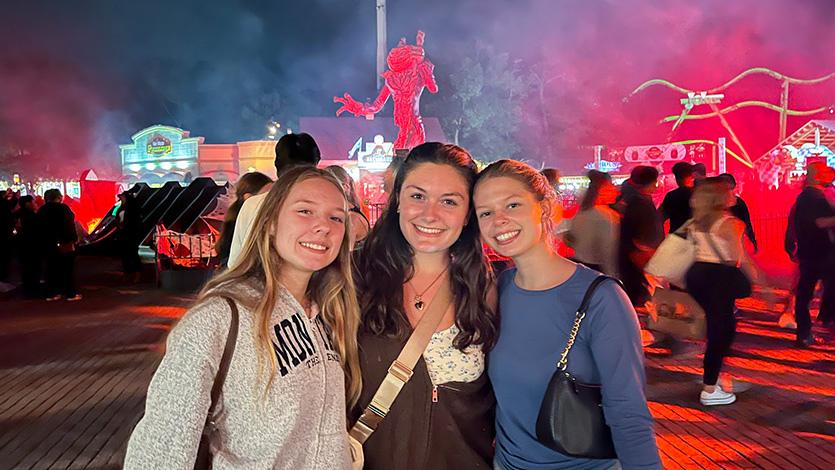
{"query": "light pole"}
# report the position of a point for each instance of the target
(381, 42)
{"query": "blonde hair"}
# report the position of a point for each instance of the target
(709, 202)
(332, 288)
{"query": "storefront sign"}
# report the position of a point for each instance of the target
(652, 154)
(158, 151)
(377, 154)
(605, 166)
(158, 146)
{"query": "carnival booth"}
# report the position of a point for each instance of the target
(785, 164)
(619, 162)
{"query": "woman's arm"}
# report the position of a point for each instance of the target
(179, 395)
(618, 354)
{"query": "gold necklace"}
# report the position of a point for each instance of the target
(419, 304)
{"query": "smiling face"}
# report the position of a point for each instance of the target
(511, 220)
(310, 226)
(434, 205)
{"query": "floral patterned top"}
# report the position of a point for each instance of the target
(445, 363)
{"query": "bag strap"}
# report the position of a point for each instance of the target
(684, 230)
(578, 318)
(223, 368)
(402, 368)
(715, 248)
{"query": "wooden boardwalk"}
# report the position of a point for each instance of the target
(73, 379)
(784, 420)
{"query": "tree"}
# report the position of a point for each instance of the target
(488, 104)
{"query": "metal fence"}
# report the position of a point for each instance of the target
(179, 250)
(770, 230)
(375, 211)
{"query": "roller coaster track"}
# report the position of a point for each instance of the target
(783, 109)
(744, 104)
(763, 70)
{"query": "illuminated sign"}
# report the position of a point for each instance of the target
(655, 153)
(805, 152)
(377, 154)
(356, 148)
(605, 166)
(160, 150)
(158, 146)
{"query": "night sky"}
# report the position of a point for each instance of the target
(78, 78)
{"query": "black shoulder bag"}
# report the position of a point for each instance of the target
(571, 419)
(204, 453)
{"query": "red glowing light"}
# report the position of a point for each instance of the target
(409, 73)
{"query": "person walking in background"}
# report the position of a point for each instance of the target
(628, 190)
(360, 225)
(56, 223)
(26, 226)
(538, 301)
(722, 273)
(248, 185)
(596, 226)
(676, 204)
(554, 177)
(740, 210)
(640, 234)
(128, 219)
(291, 150)
(294, 365)
(8, 202)
(699, 172)
(813, 219)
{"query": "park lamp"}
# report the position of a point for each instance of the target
(273, 128)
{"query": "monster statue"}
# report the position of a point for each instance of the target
(409, 72)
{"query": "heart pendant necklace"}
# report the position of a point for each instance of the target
(419, 303)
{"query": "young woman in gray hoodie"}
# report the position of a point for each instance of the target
(295, 364)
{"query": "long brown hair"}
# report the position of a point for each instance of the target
(332, 288)
(385, 262)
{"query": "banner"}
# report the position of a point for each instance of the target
(654, 154)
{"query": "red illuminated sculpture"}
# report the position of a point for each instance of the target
(409, 72)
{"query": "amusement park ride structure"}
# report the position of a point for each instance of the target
(712, 97)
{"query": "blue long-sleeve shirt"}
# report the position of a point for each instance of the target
(608, 351)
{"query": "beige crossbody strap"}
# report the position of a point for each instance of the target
(401, 369)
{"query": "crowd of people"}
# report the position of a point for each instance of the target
(294, 354)
(43, 238)
(329, 306)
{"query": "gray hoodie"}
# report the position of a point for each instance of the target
(300, 424)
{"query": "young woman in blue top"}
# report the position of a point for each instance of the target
(537, 302)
